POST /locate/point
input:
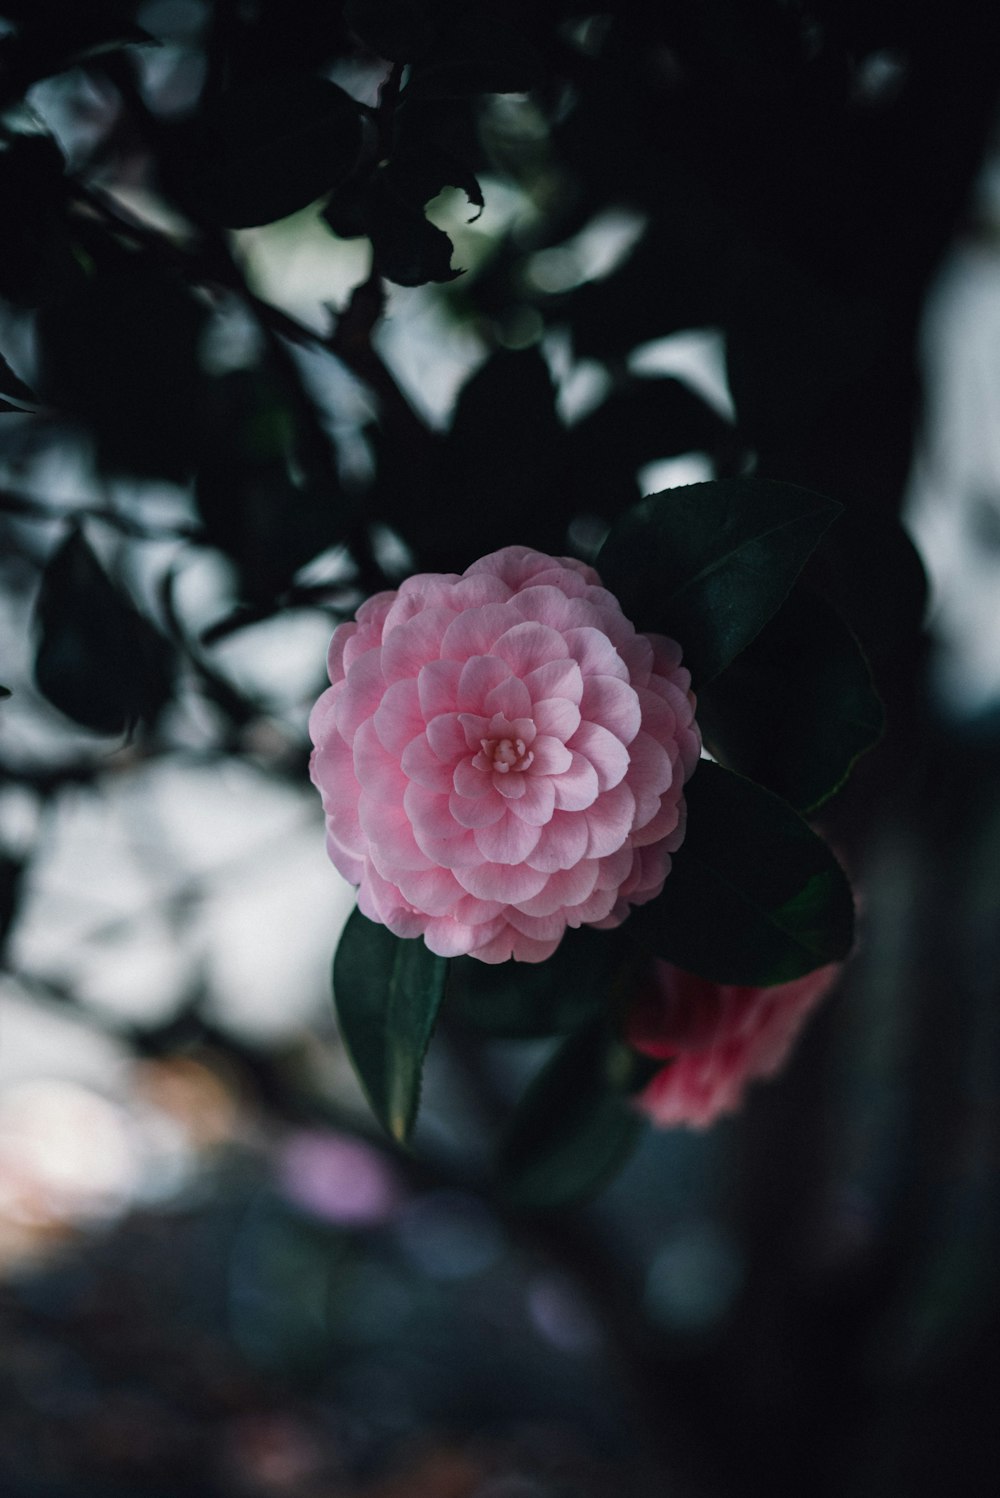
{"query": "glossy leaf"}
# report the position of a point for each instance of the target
(524, 999)
(388, 992)
(98, 660)
(574, 1127)
(754, 895)
(708, 564)
(797, 708)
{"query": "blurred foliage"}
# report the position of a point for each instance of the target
(794, 173)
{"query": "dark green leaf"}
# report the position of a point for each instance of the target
(270, 148)
(388, 992)
(98, 660)
(796, 708)
(4, 692)
(409, 249)
(524, 999)
(574, 1127)
(708, 564)
(754, 896)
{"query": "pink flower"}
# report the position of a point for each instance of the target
(716, 1038)
(501, 756)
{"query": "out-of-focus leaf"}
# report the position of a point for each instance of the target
(395, 29)
(708, 564)
(270, 147)
(523, 999)
(796, 708)
(121, 354)
(98, 660)
(52, 37)
(476, 52)
(754, 896)
(268, 523)
(4, 692)
(388, 992)
(11, 872)
(12, 385)
(36, 258)
(574, 1127)
(644, 419)
(501, 478)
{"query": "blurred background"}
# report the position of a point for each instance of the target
(715, 239)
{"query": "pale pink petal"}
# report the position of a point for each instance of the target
(566, 887)
(378, 772)
(515, 944)
(508, 840)
(446, 736)
(411, 645)
(474, 632)
(562, 844)
(576, 788)
(527, 646)
(323, 718)
(389, 837)
(511, 786)
(605, 752)
(448, 937)
(420, 763)
(475, 912)
(477, 679)
(651, 775)
(437, 686)
(478, 812)
(398, 718)
(561, 678)
(613, 704)
(545, 603)
(540, 927)
(511, 698)
(609, 820)
(551, 756)
(659, 826)
(557, 716)
(595, 653)
(475, 728)
(434, 891)
(508, 882)
(637, 653)
(348, 864)
(472, 591)
(468, 781)
(537, 803)
(361, 694)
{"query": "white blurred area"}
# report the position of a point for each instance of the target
(953, 509)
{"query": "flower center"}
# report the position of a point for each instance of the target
(504, 755)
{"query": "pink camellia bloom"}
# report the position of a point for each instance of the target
(501, 756)
(715, 1038)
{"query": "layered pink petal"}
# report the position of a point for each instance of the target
(501, 756)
